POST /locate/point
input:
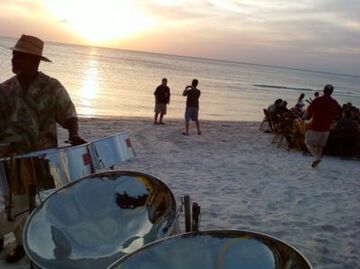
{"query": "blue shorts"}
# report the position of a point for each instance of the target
(191, 113)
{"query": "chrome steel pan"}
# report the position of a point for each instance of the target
(92, 222)
(111, 150)
(60, 166)
(223, 249)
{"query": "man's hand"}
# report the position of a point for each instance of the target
(75, 140)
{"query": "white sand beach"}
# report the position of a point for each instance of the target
(242, 181)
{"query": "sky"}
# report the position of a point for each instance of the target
(319, 35)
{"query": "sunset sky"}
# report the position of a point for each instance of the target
(311, 34)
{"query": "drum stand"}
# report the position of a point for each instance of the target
(32, 204)
(33, 190)
(192, 214)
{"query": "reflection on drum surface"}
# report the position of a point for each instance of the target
(215, 250)
(95, 220)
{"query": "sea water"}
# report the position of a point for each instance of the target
(113, 82)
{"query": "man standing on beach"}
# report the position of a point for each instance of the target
(31, 104)
(192, 106)
(162, 99)
(322, 111)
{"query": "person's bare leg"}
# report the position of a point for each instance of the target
(312, 150)
(186, 128)
(197, 123)
(155, 117)
(161, 117)
(316, 152)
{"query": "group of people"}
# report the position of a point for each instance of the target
(324, 114)
(279, 107)
(162, 99)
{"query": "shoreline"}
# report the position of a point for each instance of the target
(151, 118)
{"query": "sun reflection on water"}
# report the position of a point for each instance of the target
(89, 88)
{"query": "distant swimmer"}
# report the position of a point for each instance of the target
(162, 99)
(192, 106)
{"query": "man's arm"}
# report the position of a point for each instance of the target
(168, 96)
(187, 88)
(66, 114)
(156, 94)
(73, 127)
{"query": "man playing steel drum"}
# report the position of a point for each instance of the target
(31, 104)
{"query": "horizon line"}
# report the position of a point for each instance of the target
(202, 58)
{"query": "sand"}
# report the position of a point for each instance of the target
(242, 181)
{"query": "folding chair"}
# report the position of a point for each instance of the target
(269, 121)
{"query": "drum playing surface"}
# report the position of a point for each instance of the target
(95, 220)
(222, 249)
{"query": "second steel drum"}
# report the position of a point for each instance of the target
(223, 249)
(92, 222)
(111, 150)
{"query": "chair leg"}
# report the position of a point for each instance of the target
(280, 141)
(274, 139)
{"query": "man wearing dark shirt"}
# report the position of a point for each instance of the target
(192, 106)
(162, 99)
(322, 111)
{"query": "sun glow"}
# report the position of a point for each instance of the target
(99, 21)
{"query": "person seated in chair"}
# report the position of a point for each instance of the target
(274, 108)
(355, 114)
(283, 108)
(309, 100)
(285, 112)
(347, 133)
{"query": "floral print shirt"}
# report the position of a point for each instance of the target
(28, 121)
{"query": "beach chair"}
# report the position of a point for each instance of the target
(278, 134)
(264, 122)
(289, 130)
(269, 122)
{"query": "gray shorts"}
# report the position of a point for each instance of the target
(160, 108)
(315, 138)
(191, 112)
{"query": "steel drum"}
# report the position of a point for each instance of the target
(70, 163)
(223, 249)
(53, 168)
(110, 151)
(92, 222)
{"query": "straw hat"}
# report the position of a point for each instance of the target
(31, 45)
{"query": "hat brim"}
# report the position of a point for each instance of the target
(28, 52)
(25, 51)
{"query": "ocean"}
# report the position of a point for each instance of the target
(112, 82)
